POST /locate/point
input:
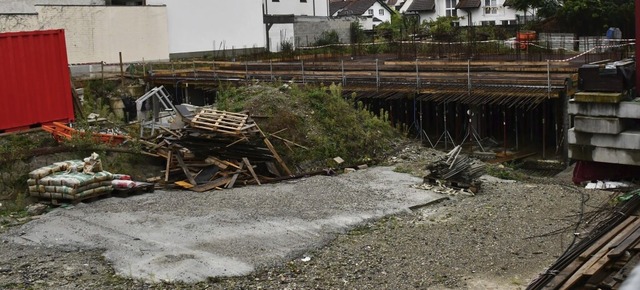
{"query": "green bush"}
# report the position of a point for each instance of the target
(316, 117)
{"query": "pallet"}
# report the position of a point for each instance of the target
(85, 199)
(141, 188)
(224, 122)
(455, 184)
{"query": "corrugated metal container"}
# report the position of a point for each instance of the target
(35, 87)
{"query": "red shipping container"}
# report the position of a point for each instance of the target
(35, 86)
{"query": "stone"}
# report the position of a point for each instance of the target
(36, 209)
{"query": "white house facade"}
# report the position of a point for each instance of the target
(485, 12)
(281, 35)
(369, 12)
(471, 12)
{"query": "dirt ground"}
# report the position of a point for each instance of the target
(501, 238)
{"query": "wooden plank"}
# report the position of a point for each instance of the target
(253, 173)
(235, 177)
(630, 240)
(184, 167)
(273, 169)
(217, 162)
(206, 174)
(598, 259)
(277, 156)
(168, 167)
(579, 261)
(210, 185)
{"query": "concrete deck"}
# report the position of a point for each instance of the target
(601, 154)
(598, 97)
(625, 140)
(628, 110)
(600, 125)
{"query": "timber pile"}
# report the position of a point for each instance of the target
(607, 263)
(456, 170)
(604, 259)
(215, 150)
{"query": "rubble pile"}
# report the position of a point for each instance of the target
(456, 170)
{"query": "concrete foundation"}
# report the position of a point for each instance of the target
(600, 125)
(629, 139)
(629, 110)
(598, 97)
(601, 154)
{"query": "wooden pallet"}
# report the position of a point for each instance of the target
(224, 122)
(141, 188)
(61, 201)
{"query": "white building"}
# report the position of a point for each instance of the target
(371, 12)
(472, 12)
(94, 33)
(281, 31)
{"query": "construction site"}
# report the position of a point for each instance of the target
(497, 164)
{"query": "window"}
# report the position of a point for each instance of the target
(381, 12)
(370, 11)
(275, 0)
(488, 23)
(510, 22)
(490, 7)
(303, 1)
(450, 7)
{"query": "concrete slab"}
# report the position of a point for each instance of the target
(188, 236)
(598, 97)
(600, 125)
(601, 154)
(629, 139)
(627, 110)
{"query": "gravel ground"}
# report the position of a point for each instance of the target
(500, 238)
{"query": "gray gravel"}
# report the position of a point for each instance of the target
(499, 239)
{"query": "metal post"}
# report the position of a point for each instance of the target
(246, 70)
(344, 79)
(544, 132)
(121, 69)
(469, 77)
(517, 143)
(271, 69)
(302, 68)
(417, 76)
(548, 79)
(377, 75)
(504, 125)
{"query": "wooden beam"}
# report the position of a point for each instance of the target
(184, 167)
(253, 173)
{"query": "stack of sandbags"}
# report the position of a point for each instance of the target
(70, 180)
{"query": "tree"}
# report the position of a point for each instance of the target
(442, 29)
(594, 17)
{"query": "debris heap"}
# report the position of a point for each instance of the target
(456, 170)
(217, 149)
